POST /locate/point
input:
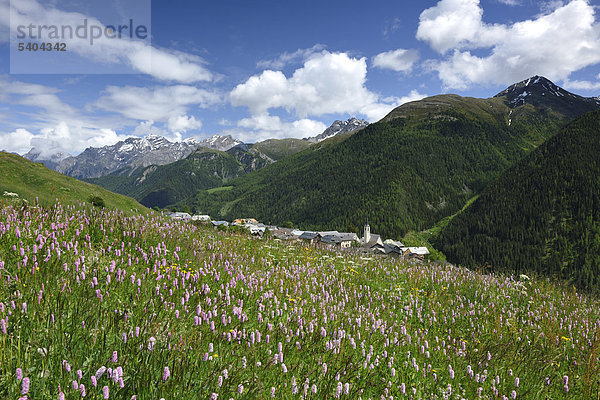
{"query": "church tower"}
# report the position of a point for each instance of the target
(367, 234)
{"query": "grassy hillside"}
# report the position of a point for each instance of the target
(33, 180)
(543, 215)
(417, 166)
(121, 306)
(276, 149)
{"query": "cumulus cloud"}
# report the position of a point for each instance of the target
(18, 141)
(287, 58)
(554, 44)
(400, 60)
(44, 121)
(161, 103)
(63, 137)
(183, 123)
(52, 126)
(264, 126)
(582, 85)
(163, 64)
(327, 83)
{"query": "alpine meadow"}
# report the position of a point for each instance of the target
(338, 200)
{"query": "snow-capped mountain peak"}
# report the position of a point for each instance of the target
(219, 142)
(339, 127)
(537, 90)
(129, 154)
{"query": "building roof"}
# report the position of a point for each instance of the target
(348, 236)
(308, 235)
(217, 223)
(389, 248)
(419, 250)
(393, 242)
(331, 239)
(327, 233)
(180, 215)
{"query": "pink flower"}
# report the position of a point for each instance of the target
(105, 392)
(25, 386)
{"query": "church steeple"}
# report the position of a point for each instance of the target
(367, 232)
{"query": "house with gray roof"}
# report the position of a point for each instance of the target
(310, 237)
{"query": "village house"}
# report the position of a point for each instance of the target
(310, 237)
(201, 218)
(284, 234)
(181, 216)
(343, 240)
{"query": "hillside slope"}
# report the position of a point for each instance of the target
(542, 215)
(167, 184)
(31, 180)
(418, 165)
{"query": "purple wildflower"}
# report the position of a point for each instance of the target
(25, 386)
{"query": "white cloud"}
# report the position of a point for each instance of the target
(18, 141)
(400, 60)
(510, 2)
(51, 125)
(581, 85)
(63, 137)
(146, 128)
(183, 123)
(455, 24)
(286, 58)
(156, 104)
(265, 126)
(327, 83)
(553, 44)
(52, 139)
(162, 64)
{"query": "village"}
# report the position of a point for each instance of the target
(344, 241)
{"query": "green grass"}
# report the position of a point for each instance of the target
(33, 180)
(277, 149)
(83, 289)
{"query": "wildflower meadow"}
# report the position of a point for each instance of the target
(96, 304)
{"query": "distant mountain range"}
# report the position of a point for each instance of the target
(418, 165)
(128, 155)
(542, 215)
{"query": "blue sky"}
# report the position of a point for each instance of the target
(274, 69)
